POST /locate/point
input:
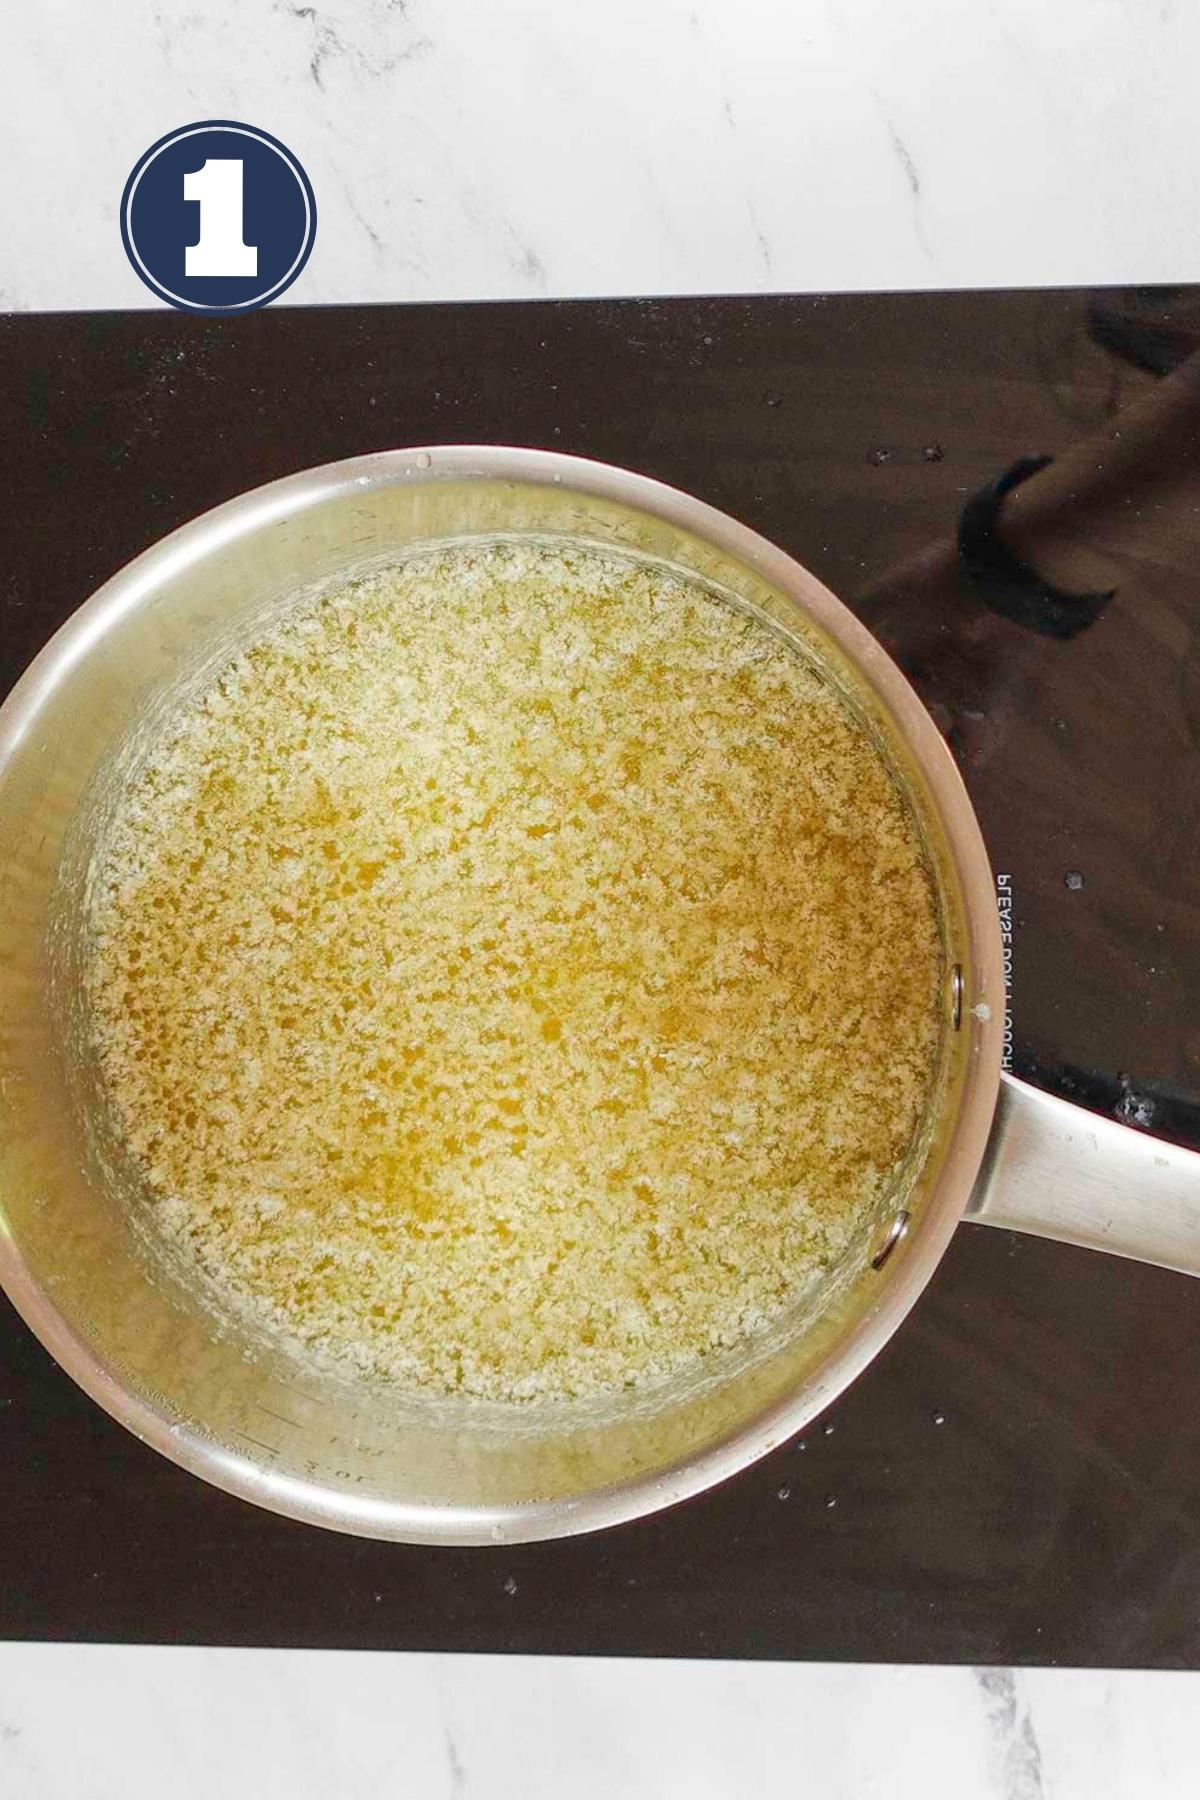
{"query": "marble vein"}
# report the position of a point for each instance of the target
(908, 169)
(454, 1766)
(1016, 1757)
(334, 41)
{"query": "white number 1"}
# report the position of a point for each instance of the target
(217, 185)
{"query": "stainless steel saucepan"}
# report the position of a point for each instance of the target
(154, 1350)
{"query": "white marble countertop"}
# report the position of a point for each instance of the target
(84, 1722)
(520, 148)
(565, 147)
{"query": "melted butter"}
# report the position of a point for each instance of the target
(515, 974)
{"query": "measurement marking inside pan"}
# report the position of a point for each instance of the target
(282, 1417)
(271, 1449)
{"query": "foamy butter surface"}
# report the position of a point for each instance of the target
(516, 973)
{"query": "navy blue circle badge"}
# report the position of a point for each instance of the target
(218, 217)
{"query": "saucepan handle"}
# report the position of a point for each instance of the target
(1057, 1171)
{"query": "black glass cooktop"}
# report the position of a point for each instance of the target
(1006, 488)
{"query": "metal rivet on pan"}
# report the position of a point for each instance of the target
(956, 995)
(891, 1237)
